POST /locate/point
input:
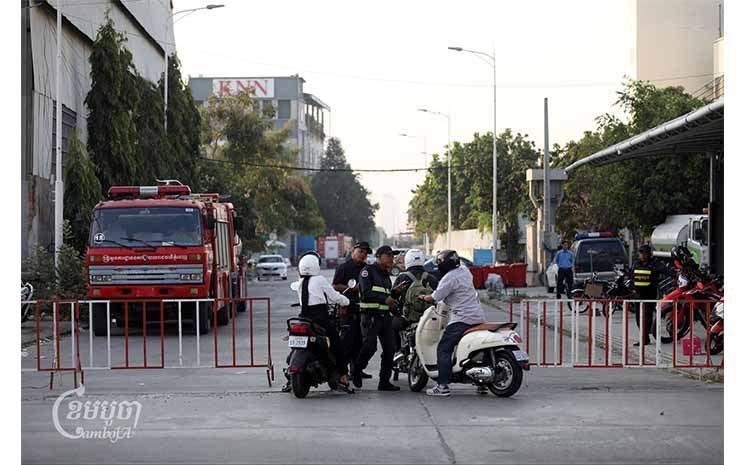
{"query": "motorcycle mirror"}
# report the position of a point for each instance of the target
(352, 283)
(295, 286)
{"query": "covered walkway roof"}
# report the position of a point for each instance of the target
(697, 132)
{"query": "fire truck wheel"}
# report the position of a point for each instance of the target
(205, 319)
(100, 325)
(223, 317)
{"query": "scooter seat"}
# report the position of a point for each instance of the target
(491, 326)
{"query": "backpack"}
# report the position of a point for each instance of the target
(413, 307)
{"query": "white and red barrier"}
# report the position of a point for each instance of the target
(140, 346)
(602, 333)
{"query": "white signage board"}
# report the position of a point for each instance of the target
(262, 87)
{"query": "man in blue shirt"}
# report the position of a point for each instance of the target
(565, 260)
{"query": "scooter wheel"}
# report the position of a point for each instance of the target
(300, 387)
(716, 344)
(417, 377)
(506, 365)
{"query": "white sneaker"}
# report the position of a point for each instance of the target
(439, 390)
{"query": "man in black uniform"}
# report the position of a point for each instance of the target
(646, 273)
(350, 269)
(376, 304)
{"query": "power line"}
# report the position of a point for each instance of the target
(338, 170)
(458, 84)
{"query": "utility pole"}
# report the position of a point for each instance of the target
(59, 187)
(492, 61)
(546, 181)
(494, 213)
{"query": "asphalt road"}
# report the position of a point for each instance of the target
(231, 415)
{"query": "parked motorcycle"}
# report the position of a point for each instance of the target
(716, 331)
(402, 359)
(311, 362)
(592, 290)
(487, 355)
(697, 292)
(27, 295)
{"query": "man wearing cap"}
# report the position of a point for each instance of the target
(376, 303)
(350, 269)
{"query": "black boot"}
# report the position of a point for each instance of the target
(357, 378)
(387, 386)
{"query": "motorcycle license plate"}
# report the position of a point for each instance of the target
(520, 355)
(297, 342)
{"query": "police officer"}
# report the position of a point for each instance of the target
(350, 269)
(646, 273)
(376, 303)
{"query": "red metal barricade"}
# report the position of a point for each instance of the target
(57, 365)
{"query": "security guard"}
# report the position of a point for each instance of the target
(646, 273)
(350, 269)
(376, 304)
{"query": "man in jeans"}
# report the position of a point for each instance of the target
(565, 261)
(457, 291)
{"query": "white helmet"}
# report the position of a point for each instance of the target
(414, 257)
(309, 265)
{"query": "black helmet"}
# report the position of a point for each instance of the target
(645, 248)
(681, 253)
(447, 260)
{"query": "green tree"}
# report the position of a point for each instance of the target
(471, 166)
(184, 126)
(82, 192)
(246, 158)
(151, 147)
(111, 101)
(343, 201)
(637, 194)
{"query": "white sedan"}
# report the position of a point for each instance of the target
(269, 266)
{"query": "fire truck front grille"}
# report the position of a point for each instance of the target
(145, 274)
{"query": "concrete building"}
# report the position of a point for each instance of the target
(148, 28)
(674, 43)
(306, 114)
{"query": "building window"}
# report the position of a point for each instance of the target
(283, 109)
(69, 125)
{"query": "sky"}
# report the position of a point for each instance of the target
(376, 63)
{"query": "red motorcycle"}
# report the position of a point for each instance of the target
(716, 332)
(697, 293)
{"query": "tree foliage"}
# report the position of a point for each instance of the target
(244, 157)
(67, 280)
(126, 138)
(471, 167)
(111, 101)
(82, 192)
(637, 194)
(343, 200)
(184, 125)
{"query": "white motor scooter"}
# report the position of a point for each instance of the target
(488, 354)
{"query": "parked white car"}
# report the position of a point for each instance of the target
(269, 266)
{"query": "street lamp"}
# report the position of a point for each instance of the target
(165, 52)
(493, 62)
(424, 139)
(445, 115)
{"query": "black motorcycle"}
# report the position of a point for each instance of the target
(402, 359)
(311, 362)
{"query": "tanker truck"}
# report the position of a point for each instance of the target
(686, 230)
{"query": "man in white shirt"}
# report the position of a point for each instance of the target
(457, 291)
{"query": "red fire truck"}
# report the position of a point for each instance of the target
(154, 243)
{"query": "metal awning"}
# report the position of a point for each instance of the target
(697, 132)
(313, 100)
